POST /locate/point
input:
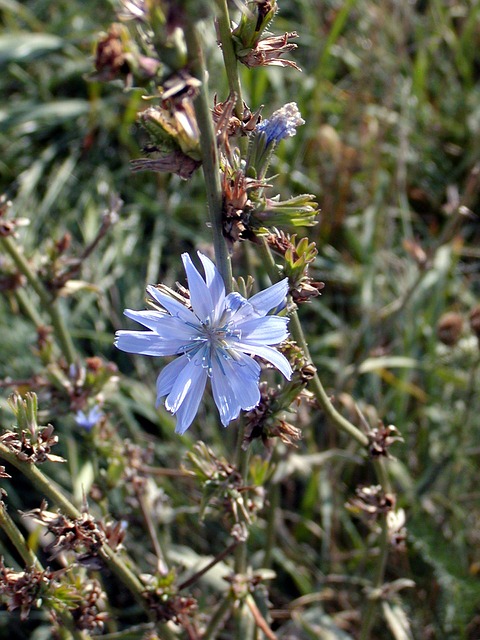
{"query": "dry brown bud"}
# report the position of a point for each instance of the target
(110, 58)
(381, 439)
(372, 501)
(449, 328)
(63, 244)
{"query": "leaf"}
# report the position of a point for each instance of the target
(30, 118)
(193, 562)
(83, 481)
(313, 624)
(303, 464)
(74, 286)
(397, 621)
(387, 362)
(15, 47)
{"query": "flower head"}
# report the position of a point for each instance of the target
(282, 124)
(217, 339)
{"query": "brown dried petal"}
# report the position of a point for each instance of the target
(268, 52)
(381, 439)
(175, 162)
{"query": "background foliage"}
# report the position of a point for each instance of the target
(391, 97)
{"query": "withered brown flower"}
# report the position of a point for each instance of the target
(267, 52)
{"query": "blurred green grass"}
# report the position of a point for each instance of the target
(391, 97)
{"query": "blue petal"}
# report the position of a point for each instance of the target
(171, 328)
(168, 376)
(147, 343)
(186, 394)
(227, 403)
(244, 380)
(189, 408)
(200, 296)
(216, 285)
(267, 330)
(149, 319)
(238, 307)
(173, 307)
(235, 385)
(270, 355)
(271, 298)
(187, 380)
(89, 421)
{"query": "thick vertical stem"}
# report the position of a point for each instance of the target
(208, 144)
(229, 57)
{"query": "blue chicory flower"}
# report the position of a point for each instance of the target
(89, 420)
(282, 124)
(216, 339)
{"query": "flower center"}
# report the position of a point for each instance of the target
(213, 342)
(219, 337)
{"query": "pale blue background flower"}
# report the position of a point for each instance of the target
(89, 420)
(217, 339)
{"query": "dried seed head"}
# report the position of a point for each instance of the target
(33, 451)
(110, 60)
(22, 589)
(237, 206)
(287, 433)
(227, 122)
(449, 328)
(84, 535)
(381, 439)
(175, 162)
(372, 501)
(87, 615)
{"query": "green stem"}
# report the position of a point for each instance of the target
(45, 486)
(271, 532)
(229, 57)
(16, 538)
(132, 633)
(208, 145)
(240, 555)
(28, 308)
(241, 461)
(369, 614)
(30, 559)
(317, 387)
(370, 611)
(347, 427)
(218, 558)
(48, 303)
(162, 565)
(217, 619)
